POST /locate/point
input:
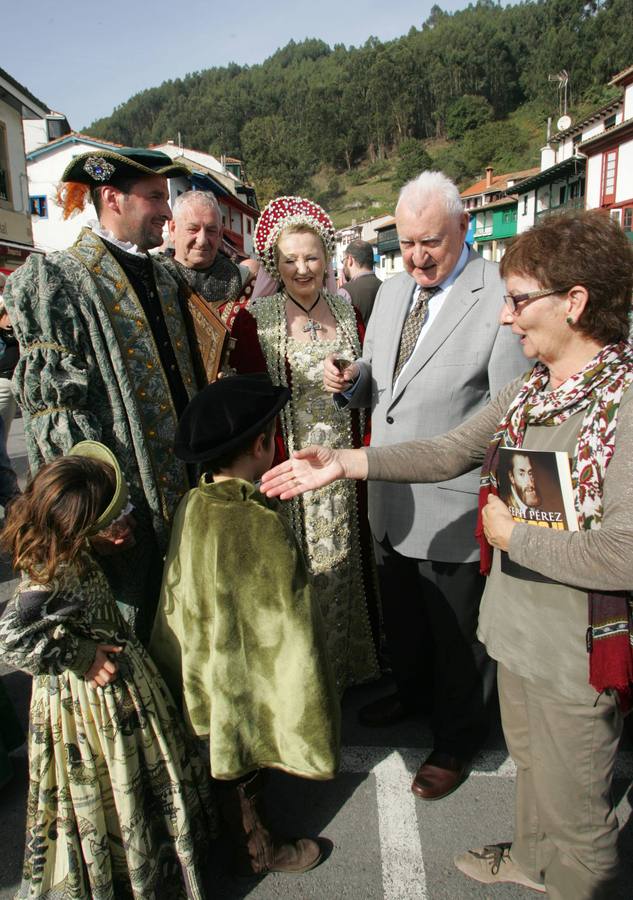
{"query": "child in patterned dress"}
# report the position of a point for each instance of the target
(117, 795)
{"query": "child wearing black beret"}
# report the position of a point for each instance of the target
(238, 634)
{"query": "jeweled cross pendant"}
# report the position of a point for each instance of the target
(312, 327)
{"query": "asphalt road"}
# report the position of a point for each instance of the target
(385, 843)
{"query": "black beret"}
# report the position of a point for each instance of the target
(225, 414)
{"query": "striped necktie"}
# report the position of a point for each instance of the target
(412, 328)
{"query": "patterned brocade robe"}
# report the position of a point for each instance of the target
(90, 369)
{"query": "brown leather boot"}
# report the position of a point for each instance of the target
(255, 849)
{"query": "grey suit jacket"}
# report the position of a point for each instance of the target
(462, 361)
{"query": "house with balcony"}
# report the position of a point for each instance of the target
(561, 182)
(17, 107)
(609, 154)
(493, 209)
(388, 249)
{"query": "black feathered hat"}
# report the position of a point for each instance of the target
(99, 167)
(225, 414)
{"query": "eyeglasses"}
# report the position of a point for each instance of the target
(512, 302)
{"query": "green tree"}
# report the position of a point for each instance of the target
(466, 113)
(276, 155)
(412, 159)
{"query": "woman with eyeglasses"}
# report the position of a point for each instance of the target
(561, 632)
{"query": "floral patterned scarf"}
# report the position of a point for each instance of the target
(597, 389)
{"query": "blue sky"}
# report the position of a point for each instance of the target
(85, 58)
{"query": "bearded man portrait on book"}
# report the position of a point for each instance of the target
(564, 687)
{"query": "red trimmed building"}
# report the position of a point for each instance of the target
(610, 159)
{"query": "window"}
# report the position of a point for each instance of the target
(39, 207)
(577, 189)
(249, 226)
(56, 128)
(525, 199)
(5, 181)
(610, 122)
(484, 222)
(627, 221)
(543, 198)
(609, 173)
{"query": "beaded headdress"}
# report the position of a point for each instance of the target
(281, 213)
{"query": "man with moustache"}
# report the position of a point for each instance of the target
(434, 355)
(523, 492)
(104, 354)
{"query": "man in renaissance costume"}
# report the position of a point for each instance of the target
(104, 353)
(197, 260)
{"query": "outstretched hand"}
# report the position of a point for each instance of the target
(307, 469)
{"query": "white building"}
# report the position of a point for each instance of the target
(560, 185)
(17, 106)
(609, 153)
(388, 247)
(492, 206)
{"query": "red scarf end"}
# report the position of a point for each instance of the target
(611, 668)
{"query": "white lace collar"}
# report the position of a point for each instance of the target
(127, 246)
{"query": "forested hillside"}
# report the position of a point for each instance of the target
(471, 88)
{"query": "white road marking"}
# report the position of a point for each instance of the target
(490, 763)
(403, 873)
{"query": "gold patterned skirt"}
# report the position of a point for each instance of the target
(117, 796)
(327, 520)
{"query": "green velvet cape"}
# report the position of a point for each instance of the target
(239, 637)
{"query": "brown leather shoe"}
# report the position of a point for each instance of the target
(439, 775)
(383, 712)
(296, 857)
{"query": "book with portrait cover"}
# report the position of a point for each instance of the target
(536, 487)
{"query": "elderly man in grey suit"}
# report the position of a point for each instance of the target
(434, 354)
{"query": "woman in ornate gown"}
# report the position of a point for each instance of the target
(289, 335)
